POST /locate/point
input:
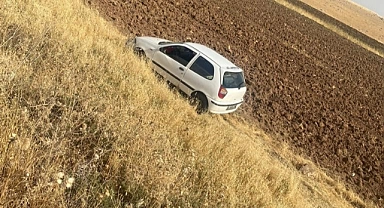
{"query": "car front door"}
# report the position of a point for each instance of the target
(201, 76)
(171, 62)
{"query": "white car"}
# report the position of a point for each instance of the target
(213, 81)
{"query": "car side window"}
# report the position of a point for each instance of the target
(203, 68)
(180, 54)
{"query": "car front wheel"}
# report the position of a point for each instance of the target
(139, 52)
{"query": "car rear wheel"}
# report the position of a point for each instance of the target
(200, 101)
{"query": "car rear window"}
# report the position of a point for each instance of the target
(233, 80)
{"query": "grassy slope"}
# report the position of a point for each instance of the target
(74, 100)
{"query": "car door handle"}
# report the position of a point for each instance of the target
(181, 68)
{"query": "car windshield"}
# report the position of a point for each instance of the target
(233, 80)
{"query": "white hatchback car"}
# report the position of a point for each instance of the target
(213, 81)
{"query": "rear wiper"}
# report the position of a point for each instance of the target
(239, 86)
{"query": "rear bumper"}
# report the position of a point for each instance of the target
(220, 108)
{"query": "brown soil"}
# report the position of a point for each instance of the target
(306, 85)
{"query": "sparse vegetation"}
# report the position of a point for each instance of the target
(85, 123)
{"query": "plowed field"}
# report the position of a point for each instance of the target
(306, 85)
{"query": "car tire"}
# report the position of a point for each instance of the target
(200, 101)
(139, 52)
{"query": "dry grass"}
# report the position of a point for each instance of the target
(330, 26)
(84, 123)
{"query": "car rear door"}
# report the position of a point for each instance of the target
(171, 61)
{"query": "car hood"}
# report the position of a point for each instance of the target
(149, 42)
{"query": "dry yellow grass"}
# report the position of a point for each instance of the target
(85, 123)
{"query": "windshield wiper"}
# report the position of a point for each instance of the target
(239, 86)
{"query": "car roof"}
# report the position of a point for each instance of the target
(213, 55)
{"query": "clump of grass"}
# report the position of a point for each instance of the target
(85, 123)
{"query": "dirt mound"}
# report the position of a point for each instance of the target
(306, 85)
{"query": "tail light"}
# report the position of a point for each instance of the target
(222, 92)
